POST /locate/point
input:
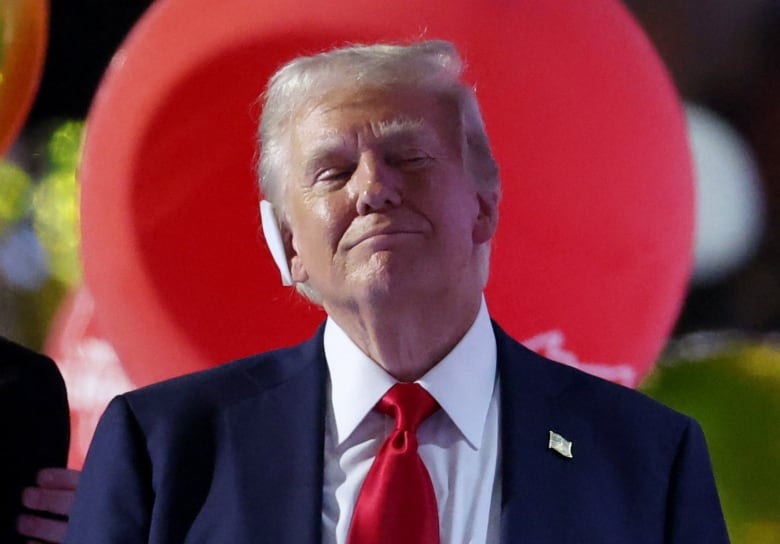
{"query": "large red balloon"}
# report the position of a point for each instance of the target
(593, 249)
(23, 32)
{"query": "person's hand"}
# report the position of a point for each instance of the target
(51, 502)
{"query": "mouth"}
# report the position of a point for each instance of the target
(382, 236)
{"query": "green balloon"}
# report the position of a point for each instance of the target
(731, 385)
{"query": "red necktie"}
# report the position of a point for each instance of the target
(396, 504)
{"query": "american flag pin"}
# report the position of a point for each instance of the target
(560, 445)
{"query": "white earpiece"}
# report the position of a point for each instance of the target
(273, 238)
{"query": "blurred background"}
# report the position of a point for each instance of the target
(722, 364)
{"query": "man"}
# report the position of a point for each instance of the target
(35, 432)
(376, 163)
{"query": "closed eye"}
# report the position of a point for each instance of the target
(410, 161)
(334, 174)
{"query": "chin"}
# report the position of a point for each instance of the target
(391, 273)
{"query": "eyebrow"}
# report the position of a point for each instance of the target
(326, 148)
(398, 127)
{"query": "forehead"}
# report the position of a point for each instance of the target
(365, 115)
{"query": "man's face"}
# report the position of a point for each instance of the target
(378, 202)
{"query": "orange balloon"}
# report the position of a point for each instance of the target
(23, 37)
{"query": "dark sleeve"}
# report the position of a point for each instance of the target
(114, 499)
(694, 511)
(34, 426)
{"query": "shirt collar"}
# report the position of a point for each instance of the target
(462, 383)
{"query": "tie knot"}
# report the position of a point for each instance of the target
(409, 404)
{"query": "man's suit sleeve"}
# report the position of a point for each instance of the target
(694, 512)
(114, 498)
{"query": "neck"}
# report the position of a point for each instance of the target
(407, 337)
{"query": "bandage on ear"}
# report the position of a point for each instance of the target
(273, 238)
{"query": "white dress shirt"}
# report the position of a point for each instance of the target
(459, 444)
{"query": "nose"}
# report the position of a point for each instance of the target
(378, 185)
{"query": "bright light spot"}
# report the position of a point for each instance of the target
(730, 202)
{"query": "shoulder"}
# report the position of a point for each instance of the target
(30, 377)
(627, 449)
(197, 394)
(19, 362)
(34, 408)
(182, 422)
(603, 404)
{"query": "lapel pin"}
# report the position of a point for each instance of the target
(560, 445)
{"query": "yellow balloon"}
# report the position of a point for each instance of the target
(23, 37)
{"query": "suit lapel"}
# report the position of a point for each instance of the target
(533, 477)
(276, 441)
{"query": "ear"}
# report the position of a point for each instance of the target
(275, 241)
(487, 217)
(299, 273)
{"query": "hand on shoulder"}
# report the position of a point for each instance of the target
(49, 502)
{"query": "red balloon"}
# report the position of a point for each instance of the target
(23, 32)
(594, 245)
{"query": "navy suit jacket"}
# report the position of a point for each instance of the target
(235, 454)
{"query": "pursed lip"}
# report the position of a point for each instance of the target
(389, 230)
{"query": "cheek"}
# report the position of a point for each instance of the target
(325, 211)
(458, 208)
(319, 222)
